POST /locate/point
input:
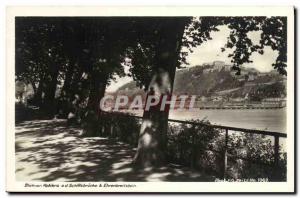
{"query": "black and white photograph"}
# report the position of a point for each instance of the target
(115, 100)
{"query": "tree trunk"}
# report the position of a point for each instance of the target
(153, 133)
(49, 105)
(38, 93)
(33, 87)
(65, 100)
(91, 120)
(68, 79)
(96, 93)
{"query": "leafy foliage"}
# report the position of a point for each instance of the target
(85, 53)
(189, 143)
(273, 33)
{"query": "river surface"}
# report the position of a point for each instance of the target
(262, 119)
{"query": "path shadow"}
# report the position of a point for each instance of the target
(30, 112)
(49, 150)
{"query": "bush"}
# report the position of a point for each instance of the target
(192, 145)
(254, 157)
(121, 126)
(202, 147)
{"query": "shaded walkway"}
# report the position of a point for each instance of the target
(49, 150)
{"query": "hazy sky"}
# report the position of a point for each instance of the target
(211, 51)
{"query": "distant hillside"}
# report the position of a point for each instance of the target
(207, 81)
(130, 89)
(195, 82)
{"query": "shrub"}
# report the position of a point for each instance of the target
(192, 145)
(201, 146)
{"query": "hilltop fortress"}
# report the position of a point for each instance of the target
(217, 86)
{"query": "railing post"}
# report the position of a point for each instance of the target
(276, 157)
(225, 155)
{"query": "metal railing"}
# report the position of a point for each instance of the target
(276, 136)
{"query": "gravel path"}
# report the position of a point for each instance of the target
(49, 150)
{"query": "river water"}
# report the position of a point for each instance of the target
(261, 119)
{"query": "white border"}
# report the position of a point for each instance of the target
(12, 185)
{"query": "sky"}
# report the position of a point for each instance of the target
(211, 51)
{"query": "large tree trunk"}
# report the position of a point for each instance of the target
(96, 93)
(49, 105)
(66, 97)
(92, 116)
(153, 133)
(68, 79)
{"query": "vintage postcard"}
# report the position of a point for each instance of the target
(150, 99)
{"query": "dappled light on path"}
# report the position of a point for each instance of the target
(49, 150)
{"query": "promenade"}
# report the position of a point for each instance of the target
(49, 150)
